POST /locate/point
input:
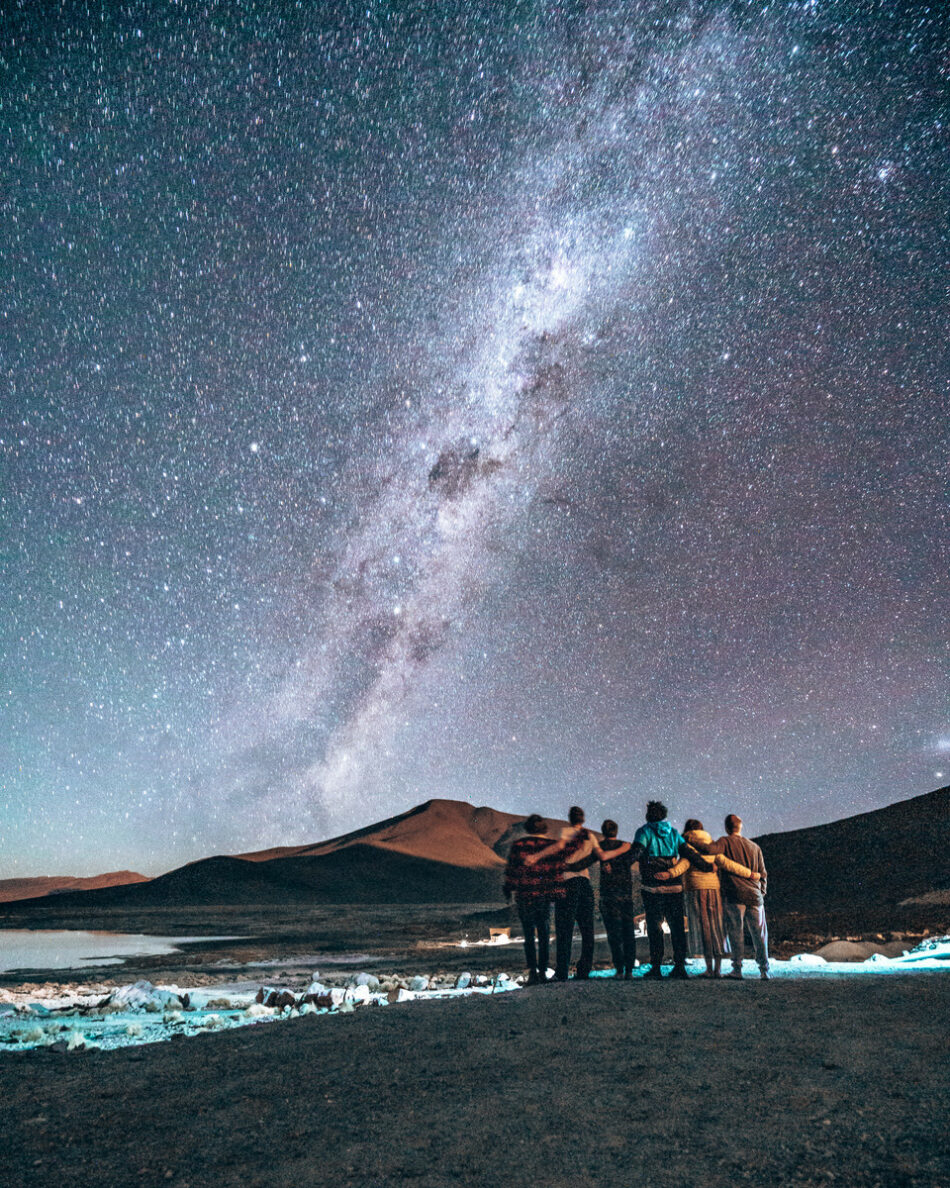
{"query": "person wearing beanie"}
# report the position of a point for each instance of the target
(616, 902)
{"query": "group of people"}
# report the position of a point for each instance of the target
(718, 887)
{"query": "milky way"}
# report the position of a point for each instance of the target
(528, 404)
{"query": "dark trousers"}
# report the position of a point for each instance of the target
(669, 906)
(617, 915)
(576, 906)
(535, 917)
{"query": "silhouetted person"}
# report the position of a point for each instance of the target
(657, 846)
(707, 937)
(577, 904)
(743, 900)
(579, 848)
(535, 888)
(616, 902)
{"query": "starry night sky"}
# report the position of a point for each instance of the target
(529, 404)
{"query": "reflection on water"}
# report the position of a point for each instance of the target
(70, 949)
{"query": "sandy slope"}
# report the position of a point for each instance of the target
(839, 1081)
(42, 885)
(438, 830)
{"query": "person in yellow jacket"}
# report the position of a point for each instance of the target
(704, 899)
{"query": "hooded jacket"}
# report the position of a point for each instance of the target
(657, 846)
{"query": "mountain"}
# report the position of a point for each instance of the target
(437, 831)
(443, 851)
(447, 851)
(37, 888)
(874, 859)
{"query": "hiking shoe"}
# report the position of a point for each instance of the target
(736, 975)
(765, 976)
(679, 971)
(653, 974)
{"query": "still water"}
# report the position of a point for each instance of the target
(69, 949)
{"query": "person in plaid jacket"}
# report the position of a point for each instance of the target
(535, 887)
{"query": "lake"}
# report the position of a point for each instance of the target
(71, 949)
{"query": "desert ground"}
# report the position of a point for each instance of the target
(841, 1080)
(413, 938)
(837, 1081)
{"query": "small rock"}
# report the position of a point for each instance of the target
(419, 983)
(278, 999)
(463, 981)
(317, 1001)
(363, 979)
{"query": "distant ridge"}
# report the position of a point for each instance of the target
(448, 851)
(43, 885)
(874, 859)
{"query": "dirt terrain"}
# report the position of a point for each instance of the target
(413, 938)
(842, 1080)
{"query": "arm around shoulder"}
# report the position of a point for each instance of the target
(717, 847)
(735, 868)
(610, 855)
